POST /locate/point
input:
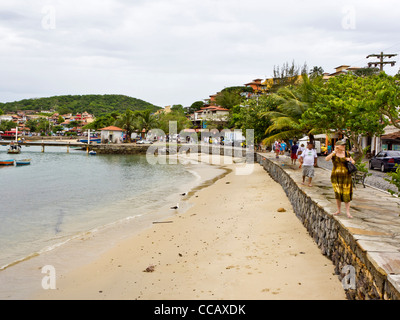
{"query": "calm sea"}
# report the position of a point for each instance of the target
(61, 195)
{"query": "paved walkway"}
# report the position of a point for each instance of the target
(376, 217)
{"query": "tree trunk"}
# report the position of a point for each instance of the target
(358, 152)
(311, 137)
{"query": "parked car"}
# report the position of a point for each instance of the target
(385, 160)
(144, 142)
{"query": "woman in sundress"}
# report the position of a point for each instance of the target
(340, 177)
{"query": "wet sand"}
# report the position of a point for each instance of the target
(232, 243)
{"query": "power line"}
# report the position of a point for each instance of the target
(365, 61)
(392, 47)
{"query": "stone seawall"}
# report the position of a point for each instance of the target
(366, 278)
(119, 148)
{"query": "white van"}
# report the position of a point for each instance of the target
(317, 144)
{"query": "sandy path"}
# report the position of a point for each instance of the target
(232, 244)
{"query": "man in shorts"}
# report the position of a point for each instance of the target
(308, 160)
(293, 152)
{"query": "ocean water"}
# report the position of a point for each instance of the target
(63, 195)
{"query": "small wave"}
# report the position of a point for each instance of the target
(69, 239)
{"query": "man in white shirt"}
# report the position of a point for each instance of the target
(308, 160)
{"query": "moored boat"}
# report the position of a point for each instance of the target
(14, 151)
(6, 162)
(92, 140)
(23, 162)
(14, 148)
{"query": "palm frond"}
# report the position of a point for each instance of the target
(284, 135)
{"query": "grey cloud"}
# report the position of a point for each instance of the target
(141, 47)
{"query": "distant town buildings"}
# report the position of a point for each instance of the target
(73, 123)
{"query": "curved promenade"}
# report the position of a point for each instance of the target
(366, 249)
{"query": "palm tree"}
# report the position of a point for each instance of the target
(146, 120)
(127, 121)
(292, 102)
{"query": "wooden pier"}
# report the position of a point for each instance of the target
(44, 144)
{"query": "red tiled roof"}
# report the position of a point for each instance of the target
(212, 108)
(112, 128)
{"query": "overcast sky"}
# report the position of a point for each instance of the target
(180, 51)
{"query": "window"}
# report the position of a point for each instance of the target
(394, 153)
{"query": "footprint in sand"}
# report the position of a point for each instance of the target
(273, 292)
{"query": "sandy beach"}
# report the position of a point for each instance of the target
(232, 243)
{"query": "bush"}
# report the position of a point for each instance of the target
(395, 180)
(362, 166)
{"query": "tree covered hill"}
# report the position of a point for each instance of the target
(94, 104)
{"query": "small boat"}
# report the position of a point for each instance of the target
(92, 140)
(23, 162)
(14, 151)
(92, 153)
(6, 162)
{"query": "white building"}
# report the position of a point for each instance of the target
(6, 117)
(112, 134)
(213, 113)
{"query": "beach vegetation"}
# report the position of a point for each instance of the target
(251, 115)
(316, 72)
(7, 125)
(60, 119)
(394, 179)
(102, 121)
(195, 106)
(57, 128)
(362, 165)
(127, 121)
(387, 96)
(182, 122)
(43, 125)
(287, 75)
(347, 104)
(146, 120)
(230, 97)
(292, 102)
(366, 72)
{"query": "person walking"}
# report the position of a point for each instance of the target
(300, 150)
(293, 152)
(283, 147)
(277, 148)
(308, 160)
(341, 179)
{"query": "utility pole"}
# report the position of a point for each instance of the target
(380, 63)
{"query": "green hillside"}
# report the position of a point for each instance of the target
(94, 104)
